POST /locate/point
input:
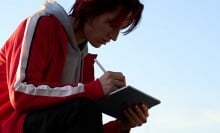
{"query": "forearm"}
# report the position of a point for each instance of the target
(114, 127)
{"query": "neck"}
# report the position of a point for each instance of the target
(80, 37)
(79, 34)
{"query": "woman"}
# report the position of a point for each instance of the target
(47, 75)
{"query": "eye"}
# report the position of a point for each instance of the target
(111, 23)
(125, 24)
(108, 20)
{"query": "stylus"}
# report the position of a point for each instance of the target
(100, 66)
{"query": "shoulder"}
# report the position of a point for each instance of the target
(49, 21)
(48, 25)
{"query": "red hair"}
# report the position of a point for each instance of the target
(83, 10)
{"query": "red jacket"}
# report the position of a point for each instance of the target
(31, 72)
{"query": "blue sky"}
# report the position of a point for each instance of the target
(172, 55)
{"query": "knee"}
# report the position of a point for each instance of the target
(90, 115)
(89, 112)
(89, 105)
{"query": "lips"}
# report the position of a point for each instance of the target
(104, 41)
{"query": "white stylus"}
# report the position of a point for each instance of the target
(100, 66)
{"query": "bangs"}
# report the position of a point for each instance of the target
(120, 19)
(127, 19)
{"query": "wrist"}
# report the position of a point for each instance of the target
(124, 127)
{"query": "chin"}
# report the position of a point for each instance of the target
(96, 45)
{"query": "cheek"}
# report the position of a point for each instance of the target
(96, 31)
(90, 36)
(89, 32)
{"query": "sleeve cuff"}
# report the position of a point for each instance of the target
(94, 90)
(113, 127)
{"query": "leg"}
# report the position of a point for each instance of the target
(77, 116)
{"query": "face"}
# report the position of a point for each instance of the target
(98, 31)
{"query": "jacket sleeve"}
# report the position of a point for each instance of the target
(33, 80)
(113, 127)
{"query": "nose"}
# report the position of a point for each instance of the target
(114, 34)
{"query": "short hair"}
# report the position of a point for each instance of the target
(82, 10)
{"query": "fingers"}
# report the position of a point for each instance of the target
(112, 80)
(137, 116)
(142, 112)
(119, 84)
(133, 118)
(145, 109)
(118, 77)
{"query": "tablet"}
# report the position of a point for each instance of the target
(114, 103)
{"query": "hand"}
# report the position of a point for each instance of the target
(111, 81)
(136, 116)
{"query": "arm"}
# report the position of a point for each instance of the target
(33, 79)
(114, 127)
